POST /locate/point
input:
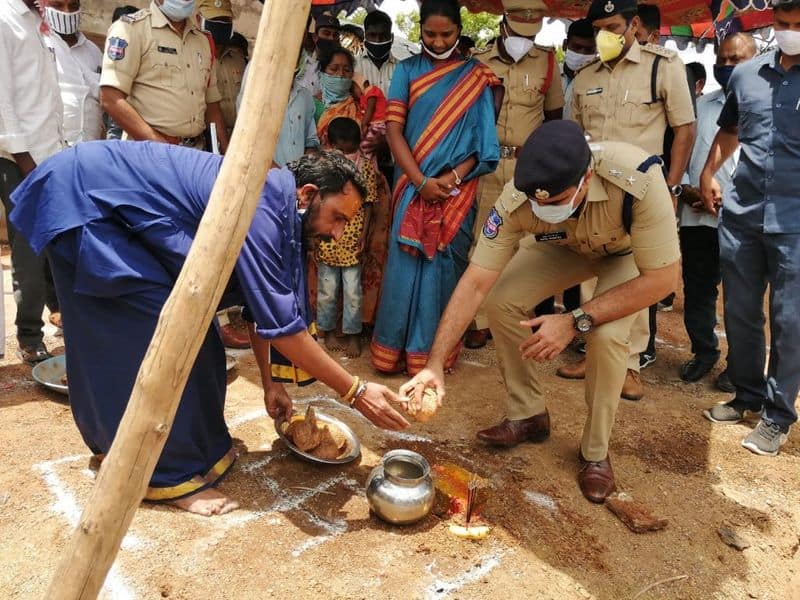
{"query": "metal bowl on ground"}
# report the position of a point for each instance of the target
(350, 453)
(400, 489)
(50, 374)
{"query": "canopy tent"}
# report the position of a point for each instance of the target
(680, 18)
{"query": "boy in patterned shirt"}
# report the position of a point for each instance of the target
(339, 262)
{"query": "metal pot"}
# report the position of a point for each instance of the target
(400, 489)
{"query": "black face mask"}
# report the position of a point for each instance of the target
(379, 50)
(722, 74)
(221, 31)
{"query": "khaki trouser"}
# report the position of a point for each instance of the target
(640, 330)
(491, 186)
(537, 271)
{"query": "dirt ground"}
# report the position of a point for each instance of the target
(305, 531)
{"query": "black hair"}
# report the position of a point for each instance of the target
(466, 41)
(650, 15)
(239, 41)
(344, 130)
(121, 11)
(330, 171)
(378, 18)
(581, 28)
(326, 58)
(440, 8)
(698, 70)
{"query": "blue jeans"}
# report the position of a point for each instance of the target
(330, 282)
(749, 260)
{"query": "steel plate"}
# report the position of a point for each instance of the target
(49, 373)
(353, 444)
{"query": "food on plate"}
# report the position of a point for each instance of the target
(64, 380)
(321, 440)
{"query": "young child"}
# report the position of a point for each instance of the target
(339, 263)
(373, 122)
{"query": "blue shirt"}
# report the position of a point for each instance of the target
(764, 101)
(709, 107)
(138, 206)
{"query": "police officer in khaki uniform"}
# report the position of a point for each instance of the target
(632, 93)
(572, 199)
(216, 17)
(531, 94)
(159, 79)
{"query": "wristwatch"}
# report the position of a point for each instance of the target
(676, 190)
(583, 322)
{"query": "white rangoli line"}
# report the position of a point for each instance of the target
(471, 363)
(541, 500)
(441, 588)
(67, 506)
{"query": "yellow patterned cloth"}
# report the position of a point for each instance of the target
(344, 253)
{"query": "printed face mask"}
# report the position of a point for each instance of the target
(609, 45)
(556, 213)
(65, 23)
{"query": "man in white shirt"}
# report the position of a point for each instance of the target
(377, 62)
(698, 229)
(79, 62)
(30, 131)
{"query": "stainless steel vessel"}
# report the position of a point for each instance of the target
(400, 489)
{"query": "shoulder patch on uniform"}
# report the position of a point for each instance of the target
(627, 179)
(135, 17)
(659, 50)
(492, 225)
(511, 198)
(116, 48)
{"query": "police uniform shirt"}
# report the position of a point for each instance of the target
(230, 72)
(528, 92)
(622, 104)
(169, 78)
(598, 230)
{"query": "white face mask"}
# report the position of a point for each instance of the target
(556, 213)
(65, 23)
(576, 61)
(788, 41)
(516, 46)
(444, 55)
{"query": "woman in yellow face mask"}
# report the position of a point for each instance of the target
(615, 24)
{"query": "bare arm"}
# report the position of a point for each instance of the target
(115, 103)
(433, 190)
(25, 162)
(214, 115)
(681, 152)
(722, 148)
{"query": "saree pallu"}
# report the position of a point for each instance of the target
(348, 108)
(448, 116)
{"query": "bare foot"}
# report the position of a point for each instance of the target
(209, 502)
(331, 343)
(352, 348)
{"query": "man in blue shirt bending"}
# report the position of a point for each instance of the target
(116, 220)
(759, 233)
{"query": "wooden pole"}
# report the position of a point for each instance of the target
(187, 314)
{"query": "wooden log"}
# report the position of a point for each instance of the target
(187, 314)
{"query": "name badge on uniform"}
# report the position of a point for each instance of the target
(594, 91)
(168, 50)
(550, 236)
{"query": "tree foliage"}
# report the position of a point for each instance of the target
(481, 27)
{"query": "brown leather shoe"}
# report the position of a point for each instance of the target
(632, 389)
(234, 338)
(477, 338)
(596, 479)
(573, 371)
(510, 433)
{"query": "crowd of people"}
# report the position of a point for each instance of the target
(448, 198)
